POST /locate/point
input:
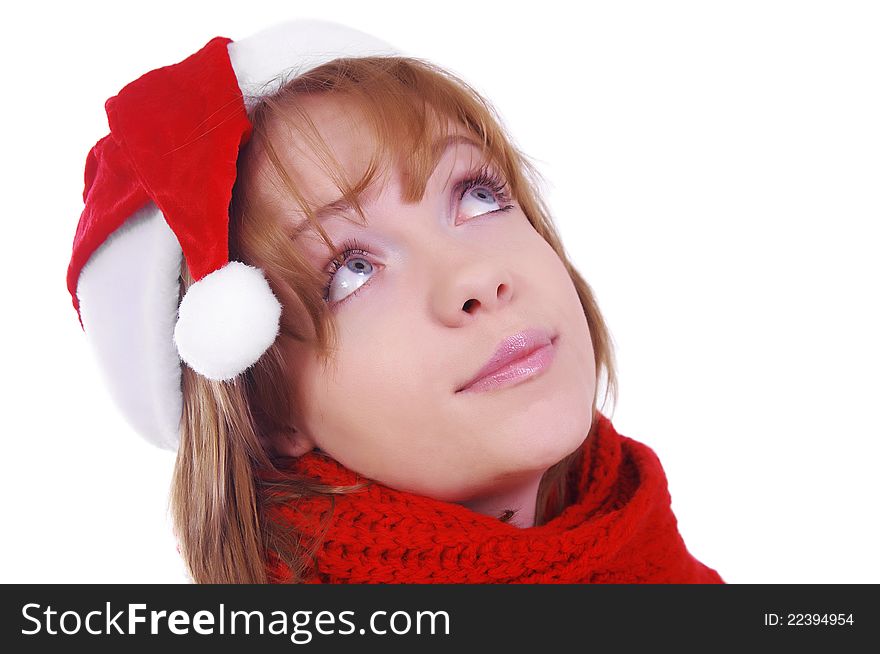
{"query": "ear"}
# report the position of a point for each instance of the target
(290, 442)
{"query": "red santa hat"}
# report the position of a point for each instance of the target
(157, 189)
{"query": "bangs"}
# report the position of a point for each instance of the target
(410, 111)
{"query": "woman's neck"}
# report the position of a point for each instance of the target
(520, 498)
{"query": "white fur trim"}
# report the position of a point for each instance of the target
(294, 48)
(128, 293)
(226, 321)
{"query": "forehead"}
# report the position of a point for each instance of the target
(328, 144)
(340, 207)
(349, 140)
(330, 129)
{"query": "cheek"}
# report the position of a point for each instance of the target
(564, 303)
(547, 275)
(374, 416)
(362, 387)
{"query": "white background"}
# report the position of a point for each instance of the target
(714, 171)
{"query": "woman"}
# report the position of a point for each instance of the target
(403, 386)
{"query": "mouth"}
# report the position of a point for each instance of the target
(517, 358)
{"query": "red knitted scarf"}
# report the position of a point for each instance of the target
(620, 529)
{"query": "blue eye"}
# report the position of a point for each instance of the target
(481, 191)
(478, 201)
(347, 273)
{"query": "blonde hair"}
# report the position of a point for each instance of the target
(225, 479)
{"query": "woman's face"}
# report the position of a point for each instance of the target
(428, 295)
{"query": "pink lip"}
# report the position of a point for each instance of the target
(516, 359)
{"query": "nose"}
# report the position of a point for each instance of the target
(473, 287)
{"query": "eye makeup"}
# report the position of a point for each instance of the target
(484, 177)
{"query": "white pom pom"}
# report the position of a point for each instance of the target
(226, 321)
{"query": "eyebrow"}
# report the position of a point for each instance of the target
(343, 206)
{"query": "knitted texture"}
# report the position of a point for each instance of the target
(620, 529)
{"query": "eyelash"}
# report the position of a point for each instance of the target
(484, 177)
(487, 177)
